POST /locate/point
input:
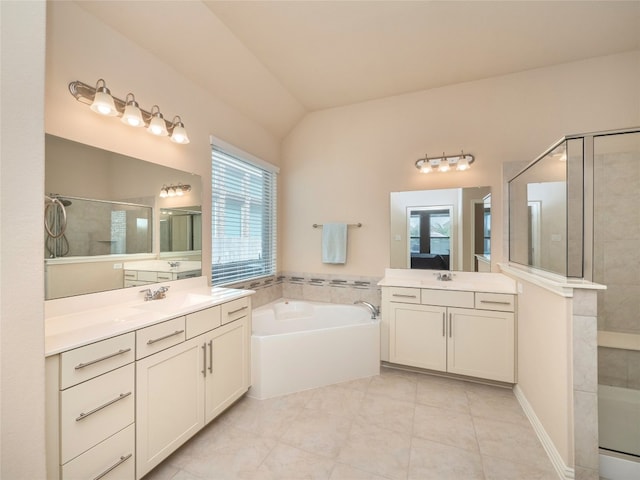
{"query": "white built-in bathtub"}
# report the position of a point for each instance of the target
(298, 345)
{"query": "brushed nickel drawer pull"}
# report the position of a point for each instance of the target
(238, 310)
(401, 295)
(450, 329)
(154, 340)
(123, 459)
(204, 360)
(443, 324)
(210, 356)
(495, 302)
(106, 357)
(83, 415)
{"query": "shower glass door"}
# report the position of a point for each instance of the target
(616, 264)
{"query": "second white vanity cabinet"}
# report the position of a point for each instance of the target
(461, 332)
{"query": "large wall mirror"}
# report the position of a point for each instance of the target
(106, 225)
(448, 229)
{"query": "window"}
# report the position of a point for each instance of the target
(243, 226)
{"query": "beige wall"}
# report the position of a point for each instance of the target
(79, 47)
(21, 274)
(341, 164)
(545, 362)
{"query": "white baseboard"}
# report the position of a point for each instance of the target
(563, 471)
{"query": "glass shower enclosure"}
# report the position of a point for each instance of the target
(575, 212)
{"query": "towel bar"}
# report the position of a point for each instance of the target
(357, 225)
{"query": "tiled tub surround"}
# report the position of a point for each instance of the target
(313, 287)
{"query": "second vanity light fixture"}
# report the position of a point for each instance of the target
(445, 163)
(101, 101)
(174, 190)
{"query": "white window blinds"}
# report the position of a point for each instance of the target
(243, 232)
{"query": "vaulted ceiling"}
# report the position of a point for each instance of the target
(274, 61)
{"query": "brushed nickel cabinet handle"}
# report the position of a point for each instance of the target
(443, 324)
(106, 357)
(204, 359)
(83, 415)
(402, 295)
(154, 340)
(238, 310)
(495, 302)
(450, 329)
(123, 459)
(211, 356)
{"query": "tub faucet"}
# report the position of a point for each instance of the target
(375, 311)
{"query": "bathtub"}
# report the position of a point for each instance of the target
(298, 345)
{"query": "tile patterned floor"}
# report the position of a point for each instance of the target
(398, 425)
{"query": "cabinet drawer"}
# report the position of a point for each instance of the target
(165, 277)
(203, 321)
(147, 276)
(234, 310)
(158, 337)
(111, 459)
(404, 295)
(84, 363)
(130, 274)
(495, 301)
(447, 298)
(94, 410)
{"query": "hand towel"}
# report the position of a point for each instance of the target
(334, 243)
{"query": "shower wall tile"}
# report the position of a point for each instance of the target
(585, 303)
(622, 308)
(612, 367)
(585, 353)
(586, 429)
(621, 261)
(633, 369)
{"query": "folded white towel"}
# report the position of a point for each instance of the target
(334, 243)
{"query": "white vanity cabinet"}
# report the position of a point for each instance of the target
(460, 332)
(182, 388)
(117, 407)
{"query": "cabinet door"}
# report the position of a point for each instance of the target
(417, 336)
(481, 344)
(227, 368)
(170, 402)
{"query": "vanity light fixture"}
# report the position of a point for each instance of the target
(174, 190)
(101, 101)
(445, 163)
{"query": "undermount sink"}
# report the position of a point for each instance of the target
(175, 302)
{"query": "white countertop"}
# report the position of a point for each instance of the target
(76, 321)
(464, 281)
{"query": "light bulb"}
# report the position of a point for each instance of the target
(444, 166)
(157, 125)
(164, 193)
(103, 101)
(172, 191)
(132, 115)
(463, 164)
(179, 134)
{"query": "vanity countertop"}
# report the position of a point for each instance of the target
(463, 281)
(76, 321)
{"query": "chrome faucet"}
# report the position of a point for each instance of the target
(445, 276)
(375, 311)
(157, 295)
(173, 264)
